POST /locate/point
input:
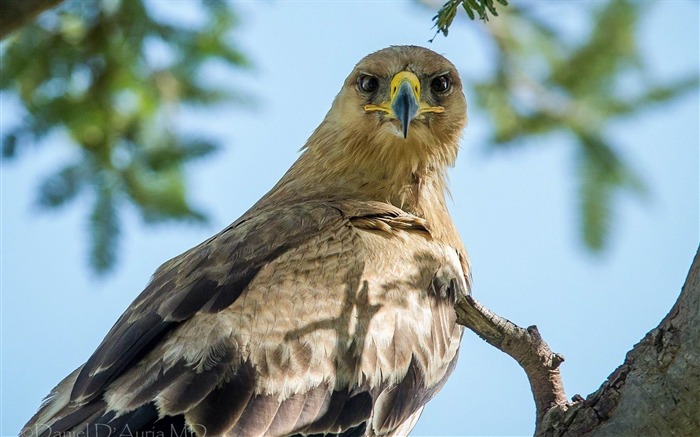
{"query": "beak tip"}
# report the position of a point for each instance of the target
(405, 107)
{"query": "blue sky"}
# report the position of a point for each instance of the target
(516, 211)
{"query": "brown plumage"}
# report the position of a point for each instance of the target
(325, 309)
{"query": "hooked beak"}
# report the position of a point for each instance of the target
(404, 101)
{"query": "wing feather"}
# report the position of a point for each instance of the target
(257, 416)
(289, 414)
(317, 400)
(224, 406)
(324, 317)
(207, 278)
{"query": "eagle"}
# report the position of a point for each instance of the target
(326, 309)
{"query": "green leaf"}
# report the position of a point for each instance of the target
(608, 51)
(86, 69)
(654, 94)
(447, 13)
(160, 195)
(550, 81)
(470, 13)
(104, 229)
(61, 187)
(9, 144)
(595, 206)
(175, 154)
(602, 174)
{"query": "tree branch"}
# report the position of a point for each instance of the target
(526, 346)
(656, 391)
(18, 13)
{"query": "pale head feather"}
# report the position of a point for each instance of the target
(362, 155)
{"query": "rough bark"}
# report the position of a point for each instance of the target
(18, 13)
(655, 392)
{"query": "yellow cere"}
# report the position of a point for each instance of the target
(405, 76)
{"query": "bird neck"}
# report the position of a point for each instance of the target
(407, 174)
(414, 190)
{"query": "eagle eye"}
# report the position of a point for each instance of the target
(367, 83)
(441, 83)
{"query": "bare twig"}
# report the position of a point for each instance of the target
(526, 346)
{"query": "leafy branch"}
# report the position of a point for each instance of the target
(542, 84)
(473, 8)
(87, 69)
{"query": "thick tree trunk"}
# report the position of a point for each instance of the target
(18, 13)
(655, 392)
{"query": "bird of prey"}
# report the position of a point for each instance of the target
(326, 309)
